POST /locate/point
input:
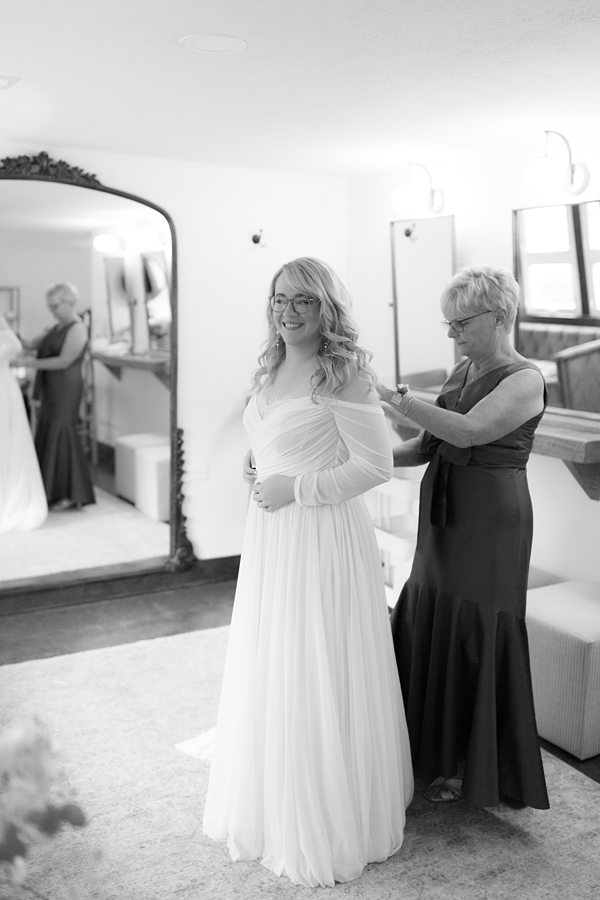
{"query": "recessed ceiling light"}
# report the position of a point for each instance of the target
(213, 43)
(7, 81)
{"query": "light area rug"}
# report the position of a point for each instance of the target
(118, 714)
(109, 532)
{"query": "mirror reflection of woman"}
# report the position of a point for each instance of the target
(58, 387)
(22, 498)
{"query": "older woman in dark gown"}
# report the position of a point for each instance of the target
(58, 387)
(459, 623)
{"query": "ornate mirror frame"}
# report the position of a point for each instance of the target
(43, 168)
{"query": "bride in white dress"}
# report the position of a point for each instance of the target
(22, 497)
(311, 768)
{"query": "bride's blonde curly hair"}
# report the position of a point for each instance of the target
(339, 355)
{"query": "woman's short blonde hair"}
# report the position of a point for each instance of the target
(64, 289)
(478, 288)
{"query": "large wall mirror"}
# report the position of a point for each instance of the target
(423, 261)
(58, 223)
(557, 264)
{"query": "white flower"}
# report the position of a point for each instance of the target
(33, 801)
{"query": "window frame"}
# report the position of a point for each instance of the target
(587, 316)
(590, 257)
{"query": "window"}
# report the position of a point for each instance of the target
(557, 262)
(547, 262)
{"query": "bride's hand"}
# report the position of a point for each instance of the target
(274, 492)
(248, 468)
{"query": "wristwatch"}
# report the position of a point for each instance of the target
(398, 394)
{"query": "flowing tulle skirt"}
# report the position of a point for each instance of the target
(311, 771)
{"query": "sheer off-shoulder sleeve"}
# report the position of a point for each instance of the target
(364, 433)
(10, 345)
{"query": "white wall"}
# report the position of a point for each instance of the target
(224, 288)
(481, 192)
(135, 403)
(32, 262)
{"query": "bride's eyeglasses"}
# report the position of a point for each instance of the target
(299, 304)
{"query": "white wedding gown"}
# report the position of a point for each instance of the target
(22, 498)
(311, 769)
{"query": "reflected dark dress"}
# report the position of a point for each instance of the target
(62, 461)
(459, 624)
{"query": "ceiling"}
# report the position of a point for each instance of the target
(324, 86)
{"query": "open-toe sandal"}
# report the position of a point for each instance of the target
(444, 790)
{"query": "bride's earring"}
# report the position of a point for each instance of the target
(325, 347)
(278, 342)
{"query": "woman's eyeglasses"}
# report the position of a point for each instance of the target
(299, 304)
(458, 325)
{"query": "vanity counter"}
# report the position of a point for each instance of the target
(157, 362)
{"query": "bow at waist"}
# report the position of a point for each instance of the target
(444, 456)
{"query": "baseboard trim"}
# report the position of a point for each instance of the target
(109, 582)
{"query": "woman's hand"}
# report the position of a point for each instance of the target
(23, 361)
(274, 492)
(384, 392)
(248, 468)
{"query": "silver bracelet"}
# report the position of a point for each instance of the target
(406, 411)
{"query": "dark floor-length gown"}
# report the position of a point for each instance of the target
(459, 624)
(64, 468)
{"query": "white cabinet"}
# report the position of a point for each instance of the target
(394, 508)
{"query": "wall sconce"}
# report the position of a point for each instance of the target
(548, 169)
(434, 198)
(257, 238)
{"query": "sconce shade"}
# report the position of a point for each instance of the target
(436, 200)
(408, 194)
(578, 179)
(550, 170)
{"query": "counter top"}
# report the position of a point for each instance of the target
(158, 362)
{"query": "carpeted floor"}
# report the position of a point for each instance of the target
(109, 532)
(118, 712)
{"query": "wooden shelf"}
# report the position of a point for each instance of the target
(572, 435)
(156, 362)
(575, 438)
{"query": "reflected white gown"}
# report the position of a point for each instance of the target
(311, 769)
(22, 498)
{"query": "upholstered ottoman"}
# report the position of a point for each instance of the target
(563, 626)
(125, 450)
(153, 481)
